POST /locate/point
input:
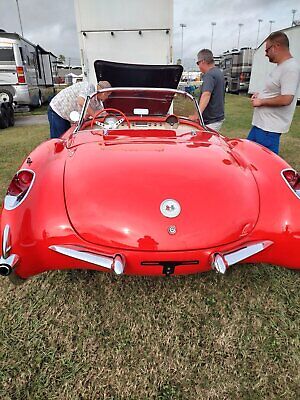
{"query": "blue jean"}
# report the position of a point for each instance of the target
(265, 138)
(58, 125)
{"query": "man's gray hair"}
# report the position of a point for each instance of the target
(205, 55)
(103, 85)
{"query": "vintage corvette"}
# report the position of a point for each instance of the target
(143, 189)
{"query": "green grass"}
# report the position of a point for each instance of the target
(79, 335)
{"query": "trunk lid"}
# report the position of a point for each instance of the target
(114, 192)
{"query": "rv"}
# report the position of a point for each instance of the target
(236, 65)
(261, 65)
(136, 32)
(26, 71)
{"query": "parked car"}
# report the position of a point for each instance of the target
(26, 71)
(7, 114)
(142, 189)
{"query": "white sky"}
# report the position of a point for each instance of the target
(51, 23)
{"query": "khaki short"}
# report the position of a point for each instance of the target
(216, 126)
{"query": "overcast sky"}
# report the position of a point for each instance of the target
(51, 23)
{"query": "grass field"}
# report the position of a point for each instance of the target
(78, 335)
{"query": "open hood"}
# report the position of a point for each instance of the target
(138, 75)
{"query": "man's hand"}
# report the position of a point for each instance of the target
(256, 102)
(277, 101)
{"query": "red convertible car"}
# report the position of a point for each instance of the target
(142, 189)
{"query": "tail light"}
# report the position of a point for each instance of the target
(21, 75)
(242, 77)
(292, 178)
(19, 188)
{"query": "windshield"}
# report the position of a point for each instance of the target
(144, 103)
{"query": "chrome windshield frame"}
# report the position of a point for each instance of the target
(145, 89)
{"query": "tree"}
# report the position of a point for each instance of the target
(61, 59)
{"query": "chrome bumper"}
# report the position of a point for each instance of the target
(115, 263)
(221, 261)
(7, 260)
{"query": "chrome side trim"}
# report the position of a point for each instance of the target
(115, 263)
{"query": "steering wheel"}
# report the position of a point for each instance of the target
(111, 124)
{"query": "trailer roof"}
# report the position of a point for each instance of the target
(16, 36)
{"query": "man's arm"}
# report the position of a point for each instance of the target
(90, 111)
(204, 100)
(278, 101)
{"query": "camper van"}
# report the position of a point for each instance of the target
(26, 71)
(262, 67)
(236, 65)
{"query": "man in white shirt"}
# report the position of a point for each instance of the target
(70, 99)
(274, 107)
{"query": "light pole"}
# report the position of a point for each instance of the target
(20, 17)
(293, 20)
(213, 24)
(240, 27)
(182, 26)
(271, 23)
(259, 22)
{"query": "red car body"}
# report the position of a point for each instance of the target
(149, 201)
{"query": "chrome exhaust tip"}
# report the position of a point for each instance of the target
(5, 269)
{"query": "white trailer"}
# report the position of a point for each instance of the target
(261, 66)
(132, 31)
(26, 71)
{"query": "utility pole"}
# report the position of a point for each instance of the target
(17, 1)
(259, 22)
(271, 23)
(213, 24)
(182, 26)
(240, 27)
(293, 20)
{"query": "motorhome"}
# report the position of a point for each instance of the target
(26, 71)
(262, 67)
(236, 65)
(136, 31)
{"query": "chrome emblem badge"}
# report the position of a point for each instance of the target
(172, 230)
(170, 208)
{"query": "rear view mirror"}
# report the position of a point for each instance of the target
(74, 116)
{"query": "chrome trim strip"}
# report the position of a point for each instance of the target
(246, 252)
(10, 202)
(114, 262)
